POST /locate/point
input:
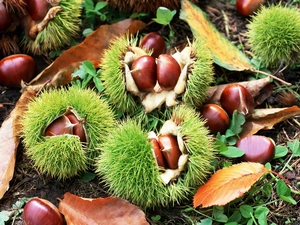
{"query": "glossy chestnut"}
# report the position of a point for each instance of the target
(143, 71)
(61, 125)
(247, 7)
(237, 97)
(157, 153)
(5, 18)
(37, 9)
(257, 148)
(78, 128)
(155, 42)
(217, 119)
(170, 150)
(15, 68)
(67, 124)
(39, 211)
(168, 71)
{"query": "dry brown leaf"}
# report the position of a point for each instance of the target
(110, 210)
(228, 184)
(9, 141)
(254, 87)
(264, 119)
(59, 72)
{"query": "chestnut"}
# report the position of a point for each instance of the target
(143, 71)
(237, 97)
(257, 148)
(217, 119)
(157, 153)
(168, 71)
(37, 9)
(247, 7)
(5, 18)
(61, 125)
(67, 124)
(155, 42)
(39, 211)
(15, 68)
(78, 128)
(170, 149)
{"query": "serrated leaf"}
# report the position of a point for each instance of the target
(228, 184)
(224, 53)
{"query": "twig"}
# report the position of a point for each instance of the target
(270, 75)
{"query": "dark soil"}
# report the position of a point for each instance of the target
(27, 182)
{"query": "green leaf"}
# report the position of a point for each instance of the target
(246, 211)
(87, 177)
(206, 221)
(237, 122)
(232, 152)
(164, 16)
(218, 214)
(284, 192)
(89, 67)
(261, 215)
(234, 218)
(4, 216)
(100, 5)
(86, 32)
(295, 147)
(280, 151)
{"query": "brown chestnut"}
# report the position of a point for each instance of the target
(168, 71)
(61, 125)
(155, 42)
(217, 119)
(39, 211)
(247, 7)
(157, 153)
(15, 68)
(5, 18)
(37, 9)
(170, 149)
(257, 148)
(143, 71)
(78, 128)
(237, 97)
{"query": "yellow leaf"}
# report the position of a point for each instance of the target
(224, 53)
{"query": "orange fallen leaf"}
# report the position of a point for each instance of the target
(228, 184)
(224, 53)
(110, 210)
(265, 119)
(59, 72)
(9, 141)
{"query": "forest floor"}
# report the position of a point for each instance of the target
(27, 182)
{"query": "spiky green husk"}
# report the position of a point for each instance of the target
(127, 165)
(200, 75)
(59, 31)
(273, 35)
(50, 105)
(113, 75)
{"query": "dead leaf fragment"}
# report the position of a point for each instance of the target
(9, 141)
(228, 184)
(265, 119)
(110, 210)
